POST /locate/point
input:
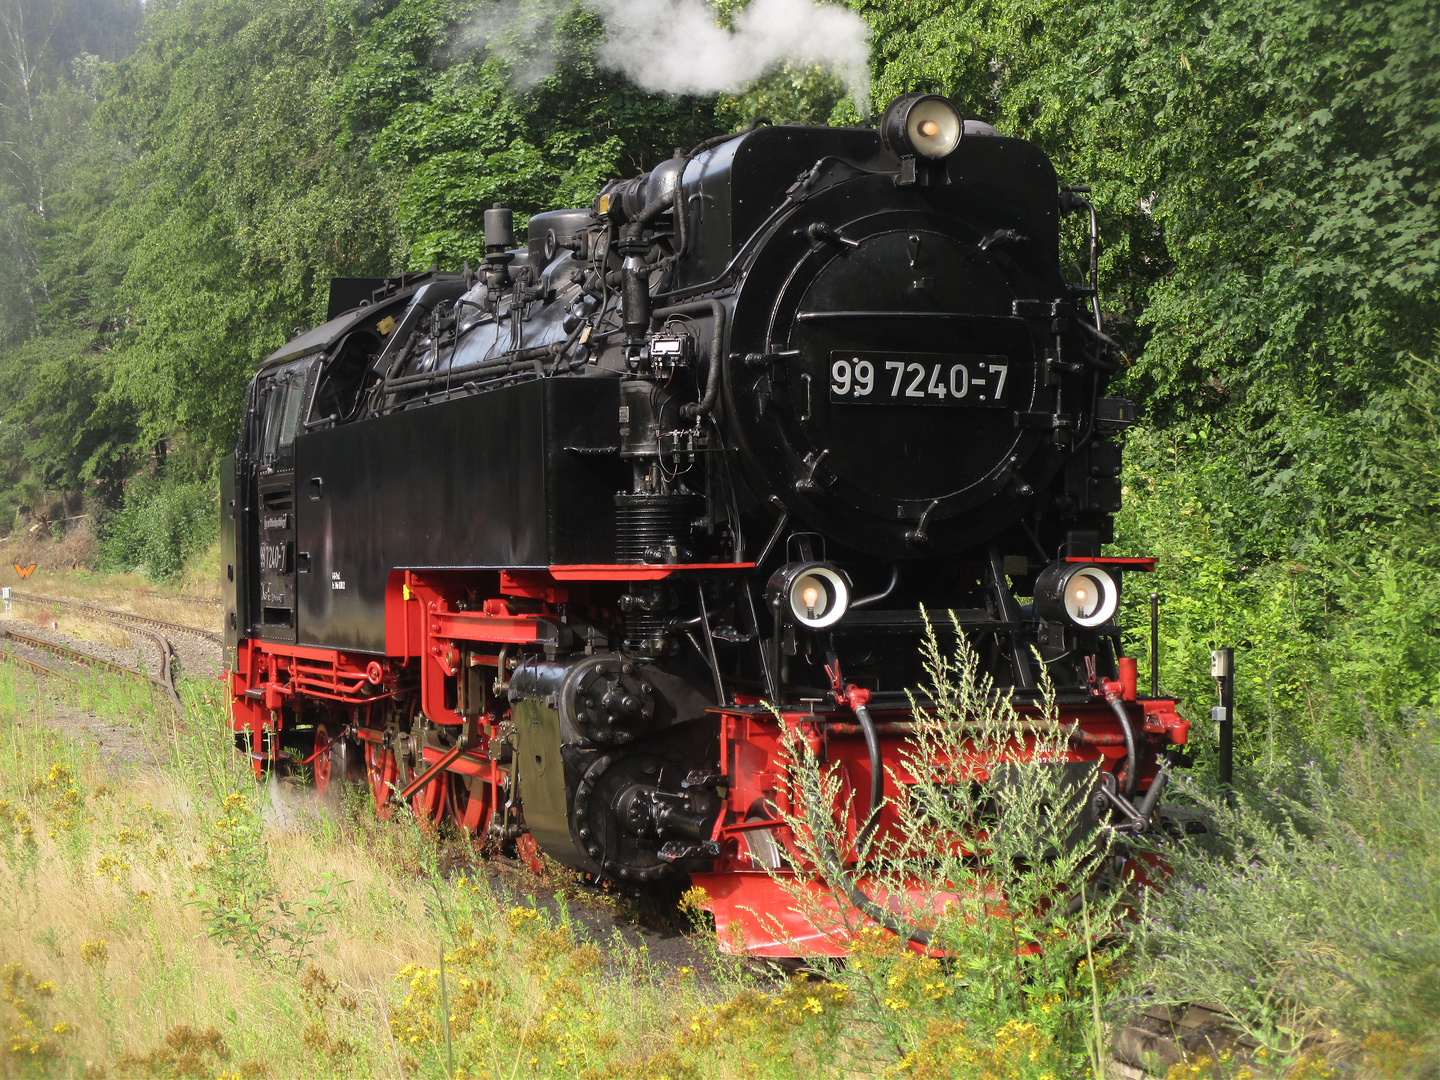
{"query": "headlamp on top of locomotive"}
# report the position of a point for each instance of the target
(922, 125)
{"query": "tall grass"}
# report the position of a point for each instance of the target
(189, 921)
(1313, 907)
(130, 946)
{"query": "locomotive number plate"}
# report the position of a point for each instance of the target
(894, 378)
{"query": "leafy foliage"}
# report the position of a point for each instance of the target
(1328, 588)
(476, 104)
(238, 206)
(162, 524)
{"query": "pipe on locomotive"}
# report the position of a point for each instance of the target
(835, 875)
(1132, 758)
(635, 271)
(861, 709)
(717, 343)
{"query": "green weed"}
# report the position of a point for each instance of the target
(240, 901)
(1314, 904)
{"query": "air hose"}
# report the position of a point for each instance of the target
(1132, 757)
(830, 864)
(877, 775)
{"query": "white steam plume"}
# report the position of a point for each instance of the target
(519, 34)
(675, 46)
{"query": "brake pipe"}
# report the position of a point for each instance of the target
(859, 701)
(1113, 692)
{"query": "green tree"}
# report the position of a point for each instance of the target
(238, 207)
(478, 103)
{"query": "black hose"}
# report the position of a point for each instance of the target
(877, 773)
(1132, 758)
(836, 877)
(682, 220)
(866, 601)
(1094, 261)
(717, 345)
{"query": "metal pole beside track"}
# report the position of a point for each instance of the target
(1154, 645)
(1222, 667)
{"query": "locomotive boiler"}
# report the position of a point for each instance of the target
(556, 548)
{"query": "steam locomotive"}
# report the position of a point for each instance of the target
(558, 547)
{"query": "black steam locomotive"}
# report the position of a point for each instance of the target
(553, 547)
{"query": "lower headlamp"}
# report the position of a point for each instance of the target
(1077, 593)
(816, 594)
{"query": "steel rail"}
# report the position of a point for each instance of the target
(166, 678)
(65, 652)
(166, 681)
(116, 614)
(35, 665)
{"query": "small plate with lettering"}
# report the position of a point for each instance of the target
(895, 378)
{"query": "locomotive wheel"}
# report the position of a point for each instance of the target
(381, 772)
(430, 802)
(529, 852)
(347, 761)
(321, 764)
(472, 803)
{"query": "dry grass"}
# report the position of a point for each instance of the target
(78, 627)
(57, 574)
(99, 871)
(111, 863)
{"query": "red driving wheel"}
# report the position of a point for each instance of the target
(529, 852)
(321, 763)
(472, 802)
(382, 773)
(430, 803)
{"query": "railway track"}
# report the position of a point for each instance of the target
(198, 601)
(116, 615)
(137, 624)
(75, 655)
(34, 665)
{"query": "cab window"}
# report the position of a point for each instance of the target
(282, 395)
